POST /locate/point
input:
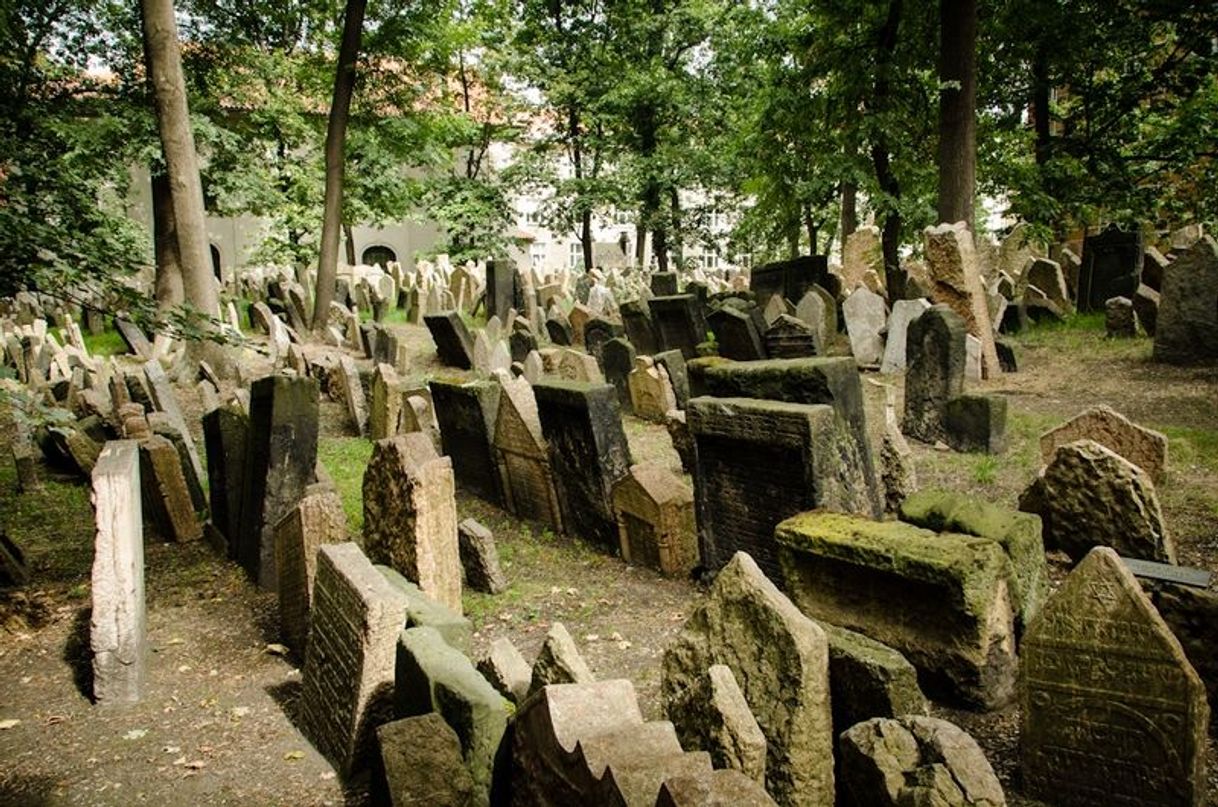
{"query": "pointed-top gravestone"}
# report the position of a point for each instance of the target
(1113, 713)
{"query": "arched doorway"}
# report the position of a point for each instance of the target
(378, 253)
(215, 261)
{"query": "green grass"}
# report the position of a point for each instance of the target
(1082, 332)
(1189, 446)
(985, 469)
(106, 343)
(345, 459)
(53, 525)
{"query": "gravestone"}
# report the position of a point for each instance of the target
(976, 423)
(353, 394)
(1146, 307)
(1186, 331)
(789, 337)
(866, 314)
(522, 342)
(819, 310)
(957, 283)
(280, 457)
(597, 332)
(651, 395)
(636, 317)
(347, 678)
(422, 764)
(678, 324)
(712, 715)
(673, 363)
(166, 400)
(789, 279)
(664, 284)
(523, 458)
(1112, 267)
(118, 632)
(655, 520)
(410, 515)
(760, 462)
(578, 317)
(466, 414)
(501, 287)
(736, 334)
(316, 519)
(454, 345)
(1119, 319)
(617, 359)
(934, 357)
(861, 254)
(134, 338)
(480, 558)
(588, 454)
(167, 502)
(903, 313)
(1143, 447)
(1112, 711)
(558, 327)
(1047, 276)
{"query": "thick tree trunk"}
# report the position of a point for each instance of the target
(1040, 103)
(890, 238)
(336, 159)
(957, 109)
(168, 282)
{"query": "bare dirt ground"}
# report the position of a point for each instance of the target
(216, 725)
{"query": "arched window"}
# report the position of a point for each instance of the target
(379, 254)
(215, 261)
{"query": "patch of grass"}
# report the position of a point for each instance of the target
(53, 525)
(345, 459)
(106, 343)
(1189, 446)
(985, 469)
(1082, 333)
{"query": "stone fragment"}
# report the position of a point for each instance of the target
(1090, 496)
(506, 670)
(559, 661)
(410, 515)
(976, 423)
(957, 283)
(25, 461)
(1112, 712)
(722, 788)
(916, 761)
(866, 315)
(480, 558)
(941, 600)
(1146, 308)
(712, 716)
(347, 677)
(903, 313)
(315, 520)
(655, 520)
(1187, 328)
(935, 371)
(1143, 447)
(780, 658)
(868, 679)
(421, 759)
(1119, 320)
(118, 631)
(432, 676)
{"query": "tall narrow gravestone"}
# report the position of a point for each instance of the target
(118, 634)
(501, 291)
(225, 436)
(1113, 713)
(678, 323)
(280, 461)
(466, 414)
(935, 354)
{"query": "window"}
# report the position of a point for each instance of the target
(717, 220)
(622, 217)
(576, 251)
(537, 256)
(709, 261)
(378, 254)
(532, 218)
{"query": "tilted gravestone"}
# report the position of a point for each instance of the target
(501, 287)
(903, 313)
(118, 634)
(280, 459)
(1144, 447)
(789, 279)
(678, 323)
(588, 453)
(1113, 713)
(934, 358)
(454, 345)
(523, 457)
(1186, 328)
(664, 284)
(316, 520)
(597, 332)
(866, 314)
(466, 413)
(673, 363)
(736, 335)
(636, 317)
(617, 359)
(956, 275)
(789, 337)
(1112, 267)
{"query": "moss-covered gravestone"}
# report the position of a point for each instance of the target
(1113, 713)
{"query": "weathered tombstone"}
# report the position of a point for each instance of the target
(386, 411)
(347, 677)
(588, 453)
(935, 355)
(166, 400)
(1112, 711)
(1119, 319)
(422, 764)
(673, 363)
(466, 414)
(712, 715)
(957, 283)
(617, 359)
(578, 317)
(280, 457)
(1146, 307)
(501, 287)
(789, 337)
(480, 558)
(353, 394)
(819, 310)
(134, 338)
(789, 279)
(558, 327)
(506, 670)
(866, 314)
(664, 284)
(868, 679)
(786, 687)
(1112, 266)
(1090, 496)
(940, 599)
(651, 394)
(454, 345)
(523, 458)
(522, 342)
(559, 661)
(597, 332)
(678, 324)
(118, 633)
(736, 334)
(1047, 276)
(976, 423)
(903, 313)
(636, 317)
(167, 500)
(1143, 447)
(410, 515)
(655, 520)
(1187, 328)
(316, 519)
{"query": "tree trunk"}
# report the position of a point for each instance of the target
(890, 238)
(349, 240)
(813, 230)
(957, 110)
(640, 241)
(163, 56)
(850, 212)
(677, 240)
(168, 283)
(336, 136)
(1040, 103)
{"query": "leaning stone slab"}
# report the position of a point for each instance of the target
(957, 283)
(916, 761)
(353, 393)
(166, 400)
(422, 764)
(225, 436)
(869, 679)
(118, 634)
(1113, 713)
(781, 660)
(347, 677)
(410, 515)
(1144, 447)
(317, 519)
(506, 670)
(454, 345)
(1019, 535)
(942, 600)
(166, 494)
(713, 716)
(903, 313)
(423, 611)
(559, 661)
(432, 676)
(480, 558)
(1091, 496)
